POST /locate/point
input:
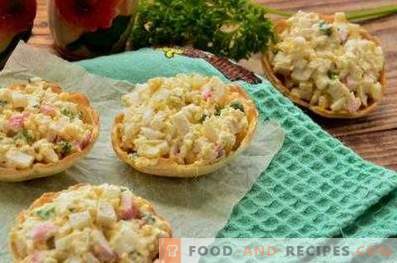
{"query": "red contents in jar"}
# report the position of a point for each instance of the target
(16, 15)
(89, 14)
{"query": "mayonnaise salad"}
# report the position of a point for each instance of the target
(89, 224)
(188, 119)
(39, 124)
(332, 65)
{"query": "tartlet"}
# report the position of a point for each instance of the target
(88, 223)
(43, 130)
(364, 99)
(184, 126)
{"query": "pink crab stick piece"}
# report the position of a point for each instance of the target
(83, 142)
(104, 253)
(43, 232)
(37, 257)
(354, 105)
(207, 94)
(102, 249)
(48, 110)
(128, 208)
(16, 121)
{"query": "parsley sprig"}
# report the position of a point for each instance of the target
(231, 28)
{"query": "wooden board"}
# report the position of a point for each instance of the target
(374, 137)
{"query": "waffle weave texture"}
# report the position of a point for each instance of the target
(315, 186)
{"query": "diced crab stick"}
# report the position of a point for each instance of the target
(102, 249)
(43, 232)
(48, 110)
(207, 94)
(350, 82)
(128, 208)
(104, 253)
(15, 123)
(220, 151)
(343, 34)
(83, 142)
(37, 257)
(86, 140)
(353, 105)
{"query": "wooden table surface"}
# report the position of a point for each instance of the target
(373, 137)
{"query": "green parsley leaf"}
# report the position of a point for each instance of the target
(68, 113)
(24, 135)
(3, 103)
(46, 212)
(218, 110)
(149, 219)
(325, 28)
(230, 28)
(237, 106)
(332, 75)
(63, 148)
(203, 118)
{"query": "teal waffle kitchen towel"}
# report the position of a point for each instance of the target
(315, 187)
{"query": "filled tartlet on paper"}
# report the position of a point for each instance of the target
(43, 130)
(183, 126)
(324, 63)
(87, 223)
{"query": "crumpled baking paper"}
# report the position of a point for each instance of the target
(196, 207)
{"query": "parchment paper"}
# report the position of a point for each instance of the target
(195, 207)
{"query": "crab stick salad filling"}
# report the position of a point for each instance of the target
(38, 124)
(189, 119)
(329, 64)
(87, 223)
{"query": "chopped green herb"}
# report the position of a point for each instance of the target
(28, 136)
(203, 118)
(24, 135)
(135, 256)
(149, 219)
(68, 113)
(3, 103)
(332, 75)
(234, 29)
(63, 147)
(46, 212)
(325, 28)
(237, 106)
(218, 110)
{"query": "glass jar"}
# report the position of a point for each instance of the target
(16, 23)
(88, 28)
